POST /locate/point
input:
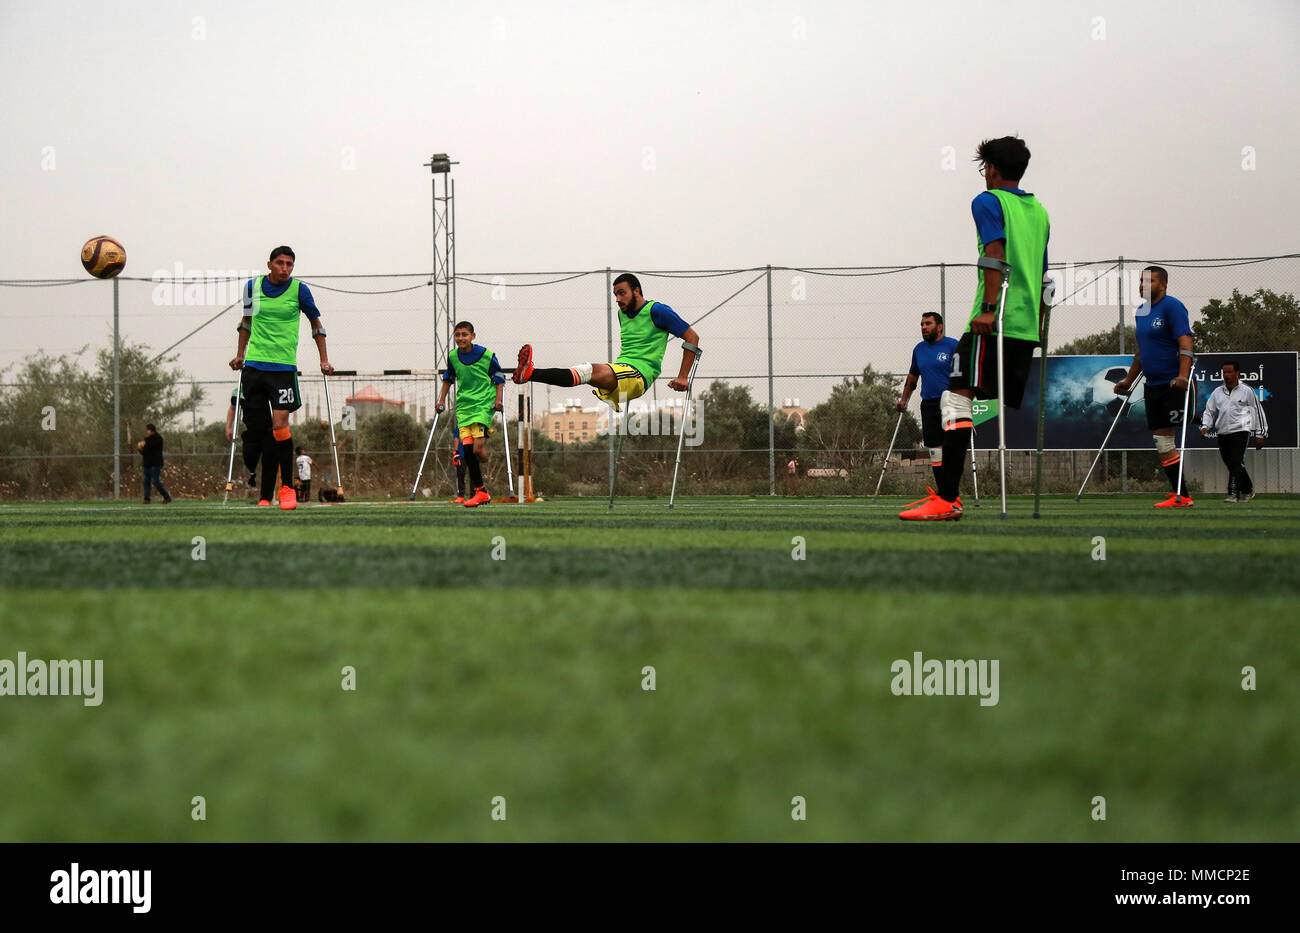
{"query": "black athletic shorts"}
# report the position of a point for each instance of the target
(279, 388)
(1164, 405)
(255, 419)
(931, 423)
(975, 365)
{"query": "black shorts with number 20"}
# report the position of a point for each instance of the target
(975, 366)
(279, 388)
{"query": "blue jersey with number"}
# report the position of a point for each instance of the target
(932, 362)
(1159, 326)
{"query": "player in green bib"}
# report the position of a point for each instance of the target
(268, 356)
(480, 383)
(643, 328)
(1011, 226)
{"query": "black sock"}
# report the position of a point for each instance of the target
(460, 480)
(1171, 471)
(555, 377)
(475, 474)
(270, 466)
(284, 450)
(937, 469)
(955, 444)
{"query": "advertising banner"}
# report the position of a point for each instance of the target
(1082, 404)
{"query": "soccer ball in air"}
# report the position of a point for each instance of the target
(103, 257)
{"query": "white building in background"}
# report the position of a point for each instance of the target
(369, 401)
(572, 422)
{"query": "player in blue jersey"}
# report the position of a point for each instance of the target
(931, 363)
(1164, 353)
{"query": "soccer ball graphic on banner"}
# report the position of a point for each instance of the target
(1101, 390)
(103, 257)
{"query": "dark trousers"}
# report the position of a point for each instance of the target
(1232, 448)
(304, 491)
(153, 476)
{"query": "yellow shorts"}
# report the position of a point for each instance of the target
(631, 384)
(468, 431)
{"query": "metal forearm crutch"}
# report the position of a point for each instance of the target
(427, 445)
(1182, 447)
(329, 413)
(997, 265)
(690, 384)
(234, 433)
(620, 426)
(1042, 414)
(505, 431)
(1123, 406)
(884, 466)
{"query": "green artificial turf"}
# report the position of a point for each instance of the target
(522, 678)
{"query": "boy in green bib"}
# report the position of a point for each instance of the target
(643, 328)
(480, 383)
(267, 356)
(1010, 225)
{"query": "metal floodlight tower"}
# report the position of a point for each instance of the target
(443, 279)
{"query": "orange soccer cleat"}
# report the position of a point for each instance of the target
(288, 498)
(479, 498)
(524, 370)
(1175, 501)
(933, 509)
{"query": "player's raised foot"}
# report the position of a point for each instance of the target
(1247, 497)
(1175, 501)
(252, 480)
(524, 370)
(479, 498)
(288, 498)
(934, 509)
(929, 494)
(264, 503)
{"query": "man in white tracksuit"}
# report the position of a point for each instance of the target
(1233, 414)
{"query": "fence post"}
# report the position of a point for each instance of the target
(609, 355)
(1123, 456)
(117, 402)
(943, 292)
(771, 410)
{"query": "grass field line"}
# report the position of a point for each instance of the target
(871, 538)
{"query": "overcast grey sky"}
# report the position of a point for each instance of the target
(642, 135)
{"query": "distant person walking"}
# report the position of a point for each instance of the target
(304, 463)
(151, 461)
(1233, 414)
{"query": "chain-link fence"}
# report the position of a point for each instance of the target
(795, 389)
